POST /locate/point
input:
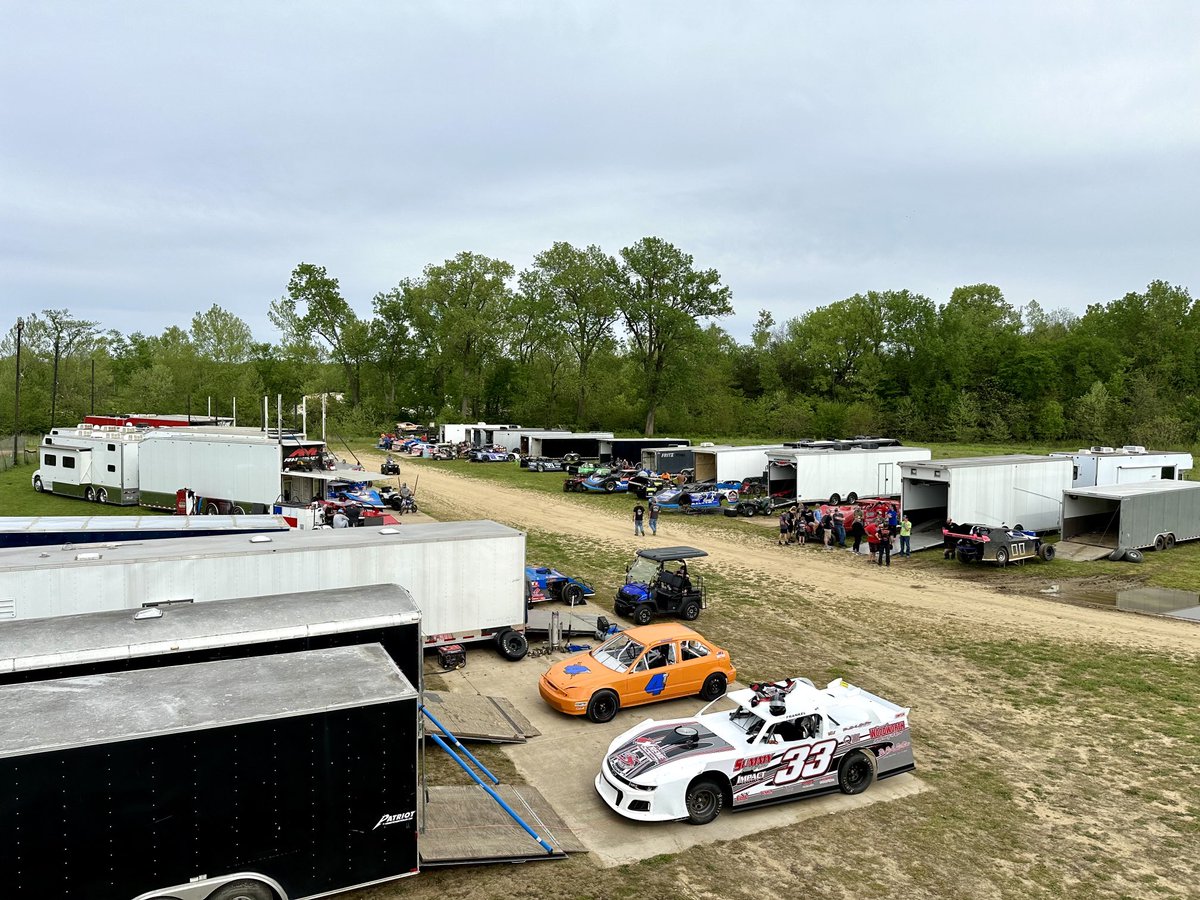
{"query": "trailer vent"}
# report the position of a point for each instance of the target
(8, 608)
(260, 539)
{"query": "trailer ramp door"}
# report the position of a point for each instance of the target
(473, 717)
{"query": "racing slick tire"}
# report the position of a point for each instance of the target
(89, 494)
(690, 611)
(572, 594)
(1001, 557)
(713, 687)
(852, 498)
(1134, 556)
(835, 499)
(703, 800)
(856, 772)
(1170, 542)
(1160, 543)
(603, 706)
(1046, 552)
(609, 487)
(243, 890)
(963, 557)
(642, 614)
(37, 485)
(512, 645)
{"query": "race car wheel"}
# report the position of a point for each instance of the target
(857, 772)
(1170, 544)
(609, 487)
(835, 499)
(963, 557)
(572, 594)
(37, 485)
(713, 687)
(1001, 556)
(1160, 543)
(704, 800)
(512, 645)
(852, 497)
(642, 614)
(603, 706)
(690, 611)
(90, 495)
(1046, 552)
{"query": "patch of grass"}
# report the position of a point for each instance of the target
(18, 498)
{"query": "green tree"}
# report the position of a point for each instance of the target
(661, 297)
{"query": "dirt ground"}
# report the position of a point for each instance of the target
(1041, 741)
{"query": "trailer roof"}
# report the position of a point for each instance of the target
(45, 643)
(1120, 491)
(67, 713)
(352, 475)
(762, 448)
(105, 524)
(791, 452)
(589, 435)
(222, 546)
(966, 462)
(193, 435)
(1119, 452)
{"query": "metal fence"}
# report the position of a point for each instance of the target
(26, 445)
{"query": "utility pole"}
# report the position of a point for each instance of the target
(17, 395)
(92, 411)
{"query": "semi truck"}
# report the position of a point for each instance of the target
(466, 577)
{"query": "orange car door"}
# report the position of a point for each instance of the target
(694, 665)
(651, 678)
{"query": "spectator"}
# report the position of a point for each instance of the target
(839, 526)
(785, 527)
(948, 541)
(800, 527)
(340, 519)
(653, 516)
(906, 536)
(858, 531)
(354, 514)
(639, 512)
(883, 535)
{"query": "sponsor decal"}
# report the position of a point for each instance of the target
(395, 818)
(750, 777)
(750, 762)
(884, 730)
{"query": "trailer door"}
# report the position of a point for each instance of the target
(885, 479)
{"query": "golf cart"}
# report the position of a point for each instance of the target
(657, 583)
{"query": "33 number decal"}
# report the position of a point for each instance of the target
(808, 761)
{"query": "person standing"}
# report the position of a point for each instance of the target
(653, 516)
(949, 542)
(839, 527)
(858, 531)
(906, 536)
(785, 527)
(884, 536)
(639, 513)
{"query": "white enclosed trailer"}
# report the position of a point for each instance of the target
(811, 475)
(1017, 490)
(467, 577)
(1126, 465)
(727, 463)
(92, 462)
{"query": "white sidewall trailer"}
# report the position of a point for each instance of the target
(810, 476)
(732, 463)
(98, 463)
(1125, 465)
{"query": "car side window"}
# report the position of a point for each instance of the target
(694, 650)
(642, 664)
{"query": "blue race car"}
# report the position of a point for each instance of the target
(608, 481)
(545, 583)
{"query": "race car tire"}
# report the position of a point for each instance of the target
(90, 495)
(1046, 552)
(603, 706)
(713, 687)
(852, 498)
(856, 772)
(963, 557)
(243, 890)
(1160, 543)
(1170, 544)
(38, 486)
(572, 594)
(1001, 557)
(704, 799)
(609, 487)
(642, 614)
(512, 645)
(690, 611)
(1134, 556)
(835, 499)
(1018, 527)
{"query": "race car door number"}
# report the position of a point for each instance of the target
(807, 761)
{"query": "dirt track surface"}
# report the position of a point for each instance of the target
(842, 579)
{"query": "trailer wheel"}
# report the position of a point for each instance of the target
(1046, 552)
(512, 645)
(835, 499)
(572, 594)
(102, 496)
(90, 494)
(852, 498)
(243, 890)
(238, 511)
(37, 484)
(1170, 544)
(1160, 543)
(1133, 556)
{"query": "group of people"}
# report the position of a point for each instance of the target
(799, 525)
(641, 516)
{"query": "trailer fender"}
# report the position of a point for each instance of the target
(210, 887)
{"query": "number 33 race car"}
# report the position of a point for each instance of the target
(764, 744)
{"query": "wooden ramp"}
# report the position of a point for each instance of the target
(473, 717)
(1079, 551)
(464, 825)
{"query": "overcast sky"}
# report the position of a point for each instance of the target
(159, 157)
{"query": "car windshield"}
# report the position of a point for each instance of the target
(643, 570)
(618, 653)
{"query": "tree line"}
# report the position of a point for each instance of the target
(632, 342)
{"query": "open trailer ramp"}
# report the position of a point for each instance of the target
(475, 717)
(464, 825)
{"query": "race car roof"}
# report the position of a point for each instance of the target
(670, 554)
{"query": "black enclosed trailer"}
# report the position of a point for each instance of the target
(181, 633)
(671, 460)
(284, 776)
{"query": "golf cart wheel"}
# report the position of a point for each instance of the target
(1001, 557)
(1170, 542)
(512, 645)
(857, 772)
(690, 611)
(1046, 552)
(835, 499)
(642, 614)
(572, 594)
(1160, 543)
(852, 497)
(703, 800)
(713, 687)
(603, 706)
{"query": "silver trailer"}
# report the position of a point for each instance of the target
(1126, 465)
(467, 577)
(97, 463)
(835, 474)
(1139, 516)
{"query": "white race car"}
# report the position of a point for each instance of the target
(765, 744)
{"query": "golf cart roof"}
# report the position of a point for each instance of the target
(670, 554)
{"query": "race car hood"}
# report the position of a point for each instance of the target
(662, 743)
(580, 671)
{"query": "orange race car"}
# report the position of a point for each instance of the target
(641, 665)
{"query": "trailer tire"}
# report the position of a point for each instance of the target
(1170, 542)
(1160, 543)
(852, 498)
(602, 706)
(835, 499)
(512, 645)
(243, 890)
(238, 511)
(37, 484)
(1134, 556)
(1117, 555)
(102, 496)
(572, 594)
(1046, 552)
(89, 494)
